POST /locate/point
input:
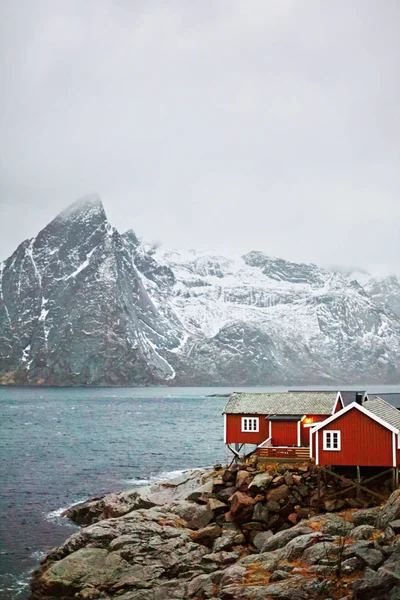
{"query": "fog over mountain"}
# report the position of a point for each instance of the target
(82, 303)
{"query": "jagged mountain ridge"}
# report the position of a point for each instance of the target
(82, 304)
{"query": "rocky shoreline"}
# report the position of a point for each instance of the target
(248, 532)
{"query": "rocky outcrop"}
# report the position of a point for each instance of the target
(210, 543)
(82, 304)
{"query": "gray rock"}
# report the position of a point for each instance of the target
(295, 548)
(281, 538)
(233, 574)
(260, 513)
(366, 516)
(279, 575)
(321, 551)
(261, 482)
(372, 557)
(336, 526)
(261, 538)
(269, 560)
(351, 565)
(390, 511)
(363, 532)
(352, 549)
(395, 526)
(200, 586)
(196, 494)
(395, 593)
(195, 515)
(377, 585)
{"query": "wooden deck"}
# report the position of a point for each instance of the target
(283, 453)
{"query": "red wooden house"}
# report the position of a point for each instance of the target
(277, 423)
(363, 433)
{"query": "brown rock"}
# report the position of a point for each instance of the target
(293, 518)
(206, 535)
(217, 506)
(335, 504)
(239, 502)
(252, 526)
(243, 479)
(297, 479)
(259, 498)
(278, 493)
(278, 480)
(228, 475)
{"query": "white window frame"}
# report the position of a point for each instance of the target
(327, 444)
(250, 424)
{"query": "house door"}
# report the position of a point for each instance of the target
(284, 433)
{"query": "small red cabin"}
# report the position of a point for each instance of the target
(276, 422)
(364, 434)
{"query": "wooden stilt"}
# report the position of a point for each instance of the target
(358, 481)
(397, 477)
(394, 479)
(319, 492)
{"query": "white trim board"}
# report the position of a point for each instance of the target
(366, 412)
(339, 397)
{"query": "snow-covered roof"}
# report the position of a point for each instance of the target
(282, 403)
(384, 411)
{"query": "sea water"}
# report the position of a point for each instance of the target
(62, 446)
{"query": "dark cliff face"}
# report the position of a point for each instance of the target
(73, 309)
(82, 304)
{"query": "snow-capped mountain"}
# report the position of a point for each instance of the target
(83, 304)
(385, 290)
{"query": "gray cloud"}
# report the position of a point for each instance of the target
(226, 124)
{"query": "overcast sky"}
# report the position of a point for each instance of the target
(230, 124)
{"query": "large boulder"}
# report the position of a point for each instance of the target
(366, 516)
(241, 504)
(390, 511)
(377, 585)
(281, 538)
(279, 493)
(260, 483)
(195, 515)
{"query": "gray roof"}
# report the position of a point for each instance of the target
(391, 398)
(349, 397)
(384, 411)
(281, 403)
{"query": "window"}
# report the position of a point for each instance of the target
(331, 440)
(249, 423)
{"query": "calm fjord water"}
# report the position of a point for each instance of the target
(60, 446)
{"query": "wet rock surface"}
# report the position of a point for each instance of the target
(180, 541)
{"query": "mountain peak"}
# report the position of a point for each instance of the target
(90, 203)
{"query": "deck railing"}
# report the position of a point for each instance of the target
(283, 452)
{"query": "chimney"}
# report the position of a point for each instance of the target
(359, 397)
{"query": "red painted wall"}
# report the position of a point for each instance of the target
(364, 442)
(305, 431)
(284, 433)
(235, 435)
